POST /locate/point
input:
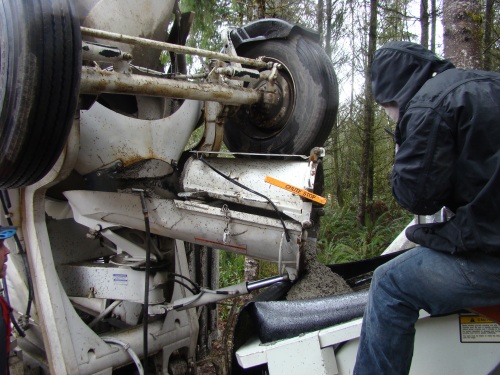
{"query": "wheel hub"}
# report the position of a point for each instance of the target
(270, 118)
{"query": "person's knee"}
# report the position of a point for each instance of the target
(381, 272)
(379, 284)
(387, 280)
(402, 269)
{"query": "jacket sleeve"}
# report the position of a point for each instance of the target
(424, 167)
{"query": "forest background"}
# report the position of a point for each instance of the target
(361, 216)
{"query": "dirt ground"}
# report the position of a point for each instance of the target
(15, 366)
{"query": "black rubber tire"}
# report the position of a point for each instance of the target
(312, 107)
(40, 69)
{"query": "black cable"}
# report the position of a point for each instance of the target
(146, 282)
(195, 285)
(287, 235)
(5, 199)
(186, 286)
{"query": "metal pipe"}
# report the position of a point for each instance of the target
(242, 74)
(176, 48)
(266, 282)
(104, 313)
(99, 52)
(211, 296)
(96, 81)
(206, 297)
(145, 316)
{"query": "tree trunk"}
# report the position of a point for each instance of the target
(424, 23)
(251, 269)
(368, 115)
(204, 270)
(433, 25)
(463, 36)
(371, 167)
(488, 30)
(320, 13)
(328, 37)
(260, 9)
(337, 182)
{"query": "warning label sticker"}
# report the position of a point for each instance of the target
(476, 328)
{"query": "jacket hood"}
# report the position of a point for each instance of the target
(400, 69)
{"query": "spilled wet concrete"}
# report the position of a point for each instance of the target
(317, 280)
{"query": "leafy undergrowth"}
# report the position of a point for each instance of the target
(341, 239)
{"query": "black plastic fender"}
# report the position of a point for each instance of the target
(269, 28)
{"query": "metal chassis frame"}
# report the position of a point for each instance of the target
(96, 81)
(72, 347)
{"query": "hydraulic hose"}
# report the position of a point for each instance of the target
(147, 273)
(126, 347)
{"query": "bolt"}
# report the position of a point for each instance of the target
(306, 224)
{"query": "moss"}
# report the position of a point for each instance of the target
(475, 17)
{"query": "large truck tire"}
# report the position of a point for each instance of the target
(40, 68)
(308, 104)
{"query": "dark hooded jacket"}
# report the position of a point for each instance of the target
(449, 145)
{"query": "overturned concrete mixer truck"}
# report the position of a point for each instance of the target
(118, 214)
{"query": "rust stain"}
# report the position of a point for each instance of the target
(128, 158)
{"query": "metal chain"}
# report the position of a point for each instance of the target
(226, 236)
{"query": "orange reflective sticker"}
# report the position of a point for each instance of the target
(295, 190)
